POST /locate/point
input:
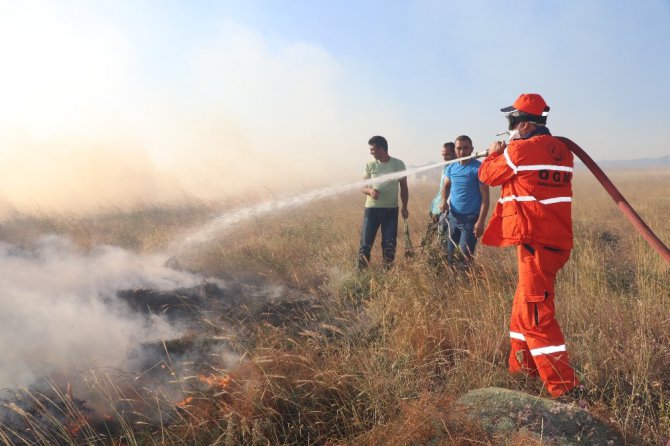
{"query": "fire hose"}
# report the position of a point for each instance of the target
(621, 202)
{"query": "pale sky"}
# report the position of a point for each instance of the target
(102, 102)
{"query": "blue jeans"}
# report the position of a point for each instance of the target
(462, 233)
(373, 218)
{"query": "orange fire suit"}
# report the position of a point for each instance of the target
(534, 213)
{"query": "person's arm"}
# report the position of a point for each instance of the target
(369, 190)
(495, 170)
(483, 210)
(404, 197)
(446, 189)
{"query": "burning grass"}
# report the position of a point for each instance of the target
(337, 357)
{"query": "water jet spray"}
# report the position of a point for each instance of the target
(228, 219)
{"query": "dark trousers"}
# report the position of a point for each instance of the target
(373, 219)
(461, 233)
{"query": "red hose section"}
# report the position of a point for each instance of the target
(621, 202)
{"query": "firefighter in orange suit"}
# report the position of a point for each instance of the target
(533, 213)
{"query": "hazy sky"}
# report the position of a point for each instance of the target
(145, 100)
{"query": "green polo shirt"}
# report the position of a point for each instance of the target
(388, 191)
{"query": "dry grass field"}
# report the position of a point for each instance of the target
(378, 358)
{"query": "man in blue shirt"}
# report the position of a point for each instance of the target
(466, 200)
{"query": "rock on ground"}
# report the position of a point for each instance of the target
(502, 412)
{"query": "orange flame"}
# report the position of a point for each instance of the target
(185, 402)
(75, 426)
(220, 382)
(213, 381)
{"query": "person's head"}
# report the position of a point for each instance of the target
(447, 151)
(379, 148)
(528, 111)
(463, 147)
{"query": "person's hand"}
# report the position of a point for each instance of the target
(444, 207)
(374, 193)
(479, 229)
(404, 212)
(496, 147)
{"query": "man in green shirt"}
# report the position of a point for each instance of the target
(381, 204)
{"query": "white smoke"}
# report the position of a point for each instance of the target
(234, 111)
(59, 312)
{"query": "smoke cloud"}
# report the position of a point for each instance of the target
(59, 312)
(88, 120)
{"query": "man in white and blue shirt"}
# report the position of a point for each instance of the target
(434, 213)
(448, 154)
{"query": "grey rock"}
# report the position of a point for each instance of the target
(502, 412)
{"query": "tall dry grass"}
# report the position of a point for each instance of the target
(379, 357)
